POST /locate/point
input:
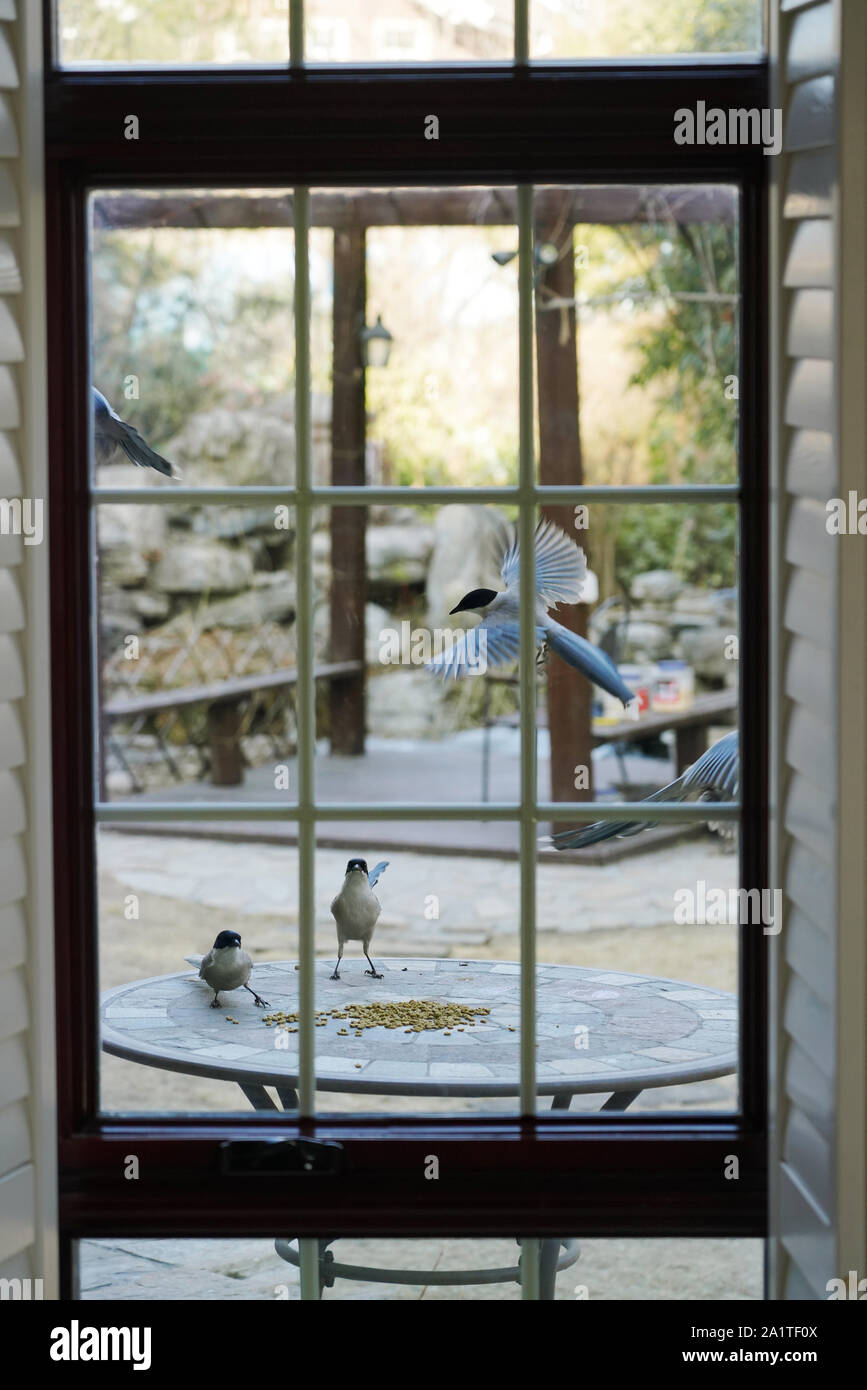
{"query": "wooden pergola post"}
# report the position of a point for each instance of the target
(346, 694)
(570, 694)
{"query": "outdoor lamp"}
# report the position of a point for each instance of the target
(376, 344)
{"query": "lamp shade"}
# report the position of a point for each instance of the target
(376, 344)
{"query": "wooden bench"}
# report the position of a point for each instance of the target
(224, 700)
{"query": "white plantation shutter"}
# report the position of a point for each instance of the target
(27, 1173)
(817, 1160)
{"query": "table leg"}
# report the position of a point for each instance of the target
(549, 1253)
(549, 1250)
(260, 1100)
(621, 1100)
(257, 1096)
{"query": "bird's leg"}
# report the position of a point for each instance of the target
(261, 1002)
(372, 971)
(336, 976)
(215, 1002)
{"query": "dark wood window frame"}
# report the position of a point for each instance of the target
(502, 123)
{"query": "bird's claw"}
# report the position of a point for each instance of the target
(262, 1003)
(335, 976)
(375, 973)
(215, 1003)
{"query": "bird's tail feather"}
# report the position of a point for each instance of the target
(194, 960)
(140, 453)
(377, 871)
(587, 659)
(607, 829)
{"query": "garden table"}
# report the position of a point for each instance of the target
(598, 1032)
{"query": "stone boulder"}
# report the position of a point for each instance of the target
(270, 599)
(190, 565)
(404, 702)
(129, 537)
(656, 586)
(468, 542)
(396, 555)
(237, 447)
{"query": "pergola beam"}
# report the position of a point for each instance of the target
(610, 205)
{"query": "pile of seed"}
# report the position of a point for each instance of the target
(412, 1015)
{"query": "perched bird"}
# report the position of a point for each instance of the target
(356, 909)
(560, 572)
(226, 966)
(715, 776)
(110, 433)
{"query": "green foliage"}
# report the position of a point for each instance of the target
(688, 355)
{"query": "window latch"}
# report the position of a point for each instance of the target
(281, 1158)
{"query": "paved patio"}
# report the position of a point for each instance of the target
(250, 1269)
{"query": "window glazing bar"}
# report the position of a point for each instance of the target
(667, 812)
(296, 33)
(527, 649)
(522, 31)
(306, 696)
(422, 496)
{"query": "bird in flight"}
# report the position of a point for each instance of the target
(560, 572)
(110, 433)
(714, 776)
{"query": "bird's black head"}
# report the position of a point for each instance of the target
(357, 864)
(476, 598)
(227, 938)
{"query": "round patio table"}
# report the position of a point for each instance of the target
(598, 1032)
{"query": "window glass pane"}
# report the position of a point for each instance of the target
(436, 1030)
(154, 33)
(405, 729)
(196, 662)
(636, 320)
(438, 402)
(167, 893)
(661, 615)
(380, 31)
(193, 337)
(637, 945)
(638, 28)
(235, 1269)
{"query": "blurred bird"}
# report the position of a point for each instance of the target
(226, 966)
(715, 776)
(560, 572)
(110, 433)
(356, 910)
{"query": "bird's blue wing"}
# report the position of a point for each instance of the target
(717, 770)
(560, 565)
(492, 643)
(377, 871)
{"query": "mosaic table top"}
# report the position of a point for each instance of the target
(597, 1030)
